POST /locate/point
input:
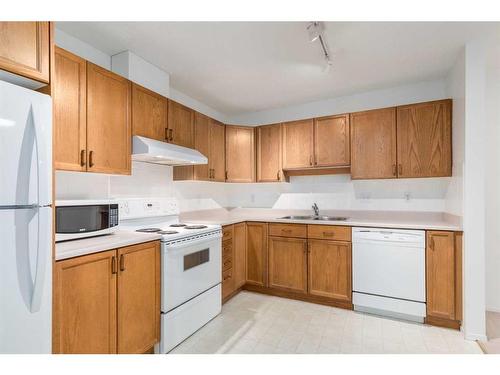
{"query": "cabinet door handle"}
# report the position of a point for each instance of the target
(310, 160)
(394, 171)
(278, 177)
(166, 134)
(431, 245)
(171, 132)
(212, 173)
(82, 158)
(400, 170)
(91, 159)
(122, 263)
(227, 174)
(113, 265)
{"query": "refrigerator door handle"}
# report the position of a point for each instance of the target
(44, 229)
(43, 162)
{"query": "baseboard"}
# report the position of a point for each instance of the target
(440, 322)
(476, 337)
(298, 296)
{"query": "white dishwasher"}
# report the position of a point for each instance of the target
(389, 272)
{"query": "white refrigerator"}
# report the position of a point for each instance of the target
(25, 220)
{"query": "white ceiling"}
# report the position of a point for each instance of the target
(239, 67)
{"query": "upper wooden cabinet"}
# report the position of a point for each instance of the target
(85, 304)
(108, 121)
(443, 276)
(269, 153)
(288, 264)
(209, 140)
(138, 297)
(332, 141)
(180, 124)
(25, 49)
(149, 113)
(424, 139)
(240, 154)
(69, 101)
(256, 253)
(330, 269)
(298, 144)
(373, 144)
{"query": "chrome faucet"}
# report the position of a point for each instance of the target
(315, 209)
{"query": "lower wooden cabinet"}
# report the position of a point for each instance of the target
(443, 278)
(240, 254)
(330, 269)
(233, 259)
(256, 254)
(108, 302)
(288, 264)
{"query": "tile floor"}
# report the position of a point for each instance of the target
(256, 323)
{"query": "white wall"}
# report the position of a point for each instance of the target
(406, 94)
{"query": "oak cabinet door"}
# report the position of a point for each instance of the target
(138, 297)
(202, 144)
(440, 274)
(332, 141)
(217, 154)
(288, 264)
(256, 253)
(25, 49)
(240, 154)
(373, 144)
(149, 113)
(240, 254)
(180, 124)
(330, 269)
(269, 153)
(69, 102)
(108, 121)
(298, 144)
(424, 139)
(85, 304)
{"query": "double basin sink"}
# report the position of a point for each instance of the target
(314, 217)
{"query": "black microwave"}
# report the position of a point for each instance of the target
(80, 219)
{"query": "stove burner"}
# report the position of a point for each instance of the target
(179, 225)
(149, 230)
(167, 232)
(195, 227)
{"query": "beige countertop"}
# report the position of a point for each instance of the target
(382, 219)
(120, 238)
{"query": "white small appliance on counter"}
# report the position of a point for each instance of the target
(389, 272)
(191, 266)
(77, 219)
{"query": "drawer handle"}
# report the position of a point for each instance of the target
(328, 234)
(286, 230)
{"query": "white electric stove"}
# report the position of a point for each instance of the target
(191, 263)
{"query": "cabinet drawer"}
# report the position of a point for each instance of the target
(227, 233)
(227, 263)
(329, 232)
(288, 230)
(227, 250)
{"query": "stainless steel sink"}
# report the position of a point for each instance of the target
(311, 217)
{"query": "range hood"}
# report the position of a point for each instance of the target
(150, 150)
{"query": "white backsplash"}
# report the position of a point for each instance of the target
(329, 192)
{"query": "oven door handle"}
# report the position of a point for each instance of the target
(183, 245)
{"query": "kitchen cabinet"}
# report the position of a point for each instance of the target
(84, 319)
(443, 278)
(288, 264)
(180, 124)
(25, 49)
(240, 154)
(149, 114)
(108, 302)
(138, 297)
(424, 139)
(256, 254)
(69, 102)
(108, 121)
(373, 144)
(332, 141)
(240, 254)
(329, 273)
(298, 144)
(269, 153)
(209, 140)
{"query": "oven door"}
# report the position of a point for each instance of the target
(188, 269)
